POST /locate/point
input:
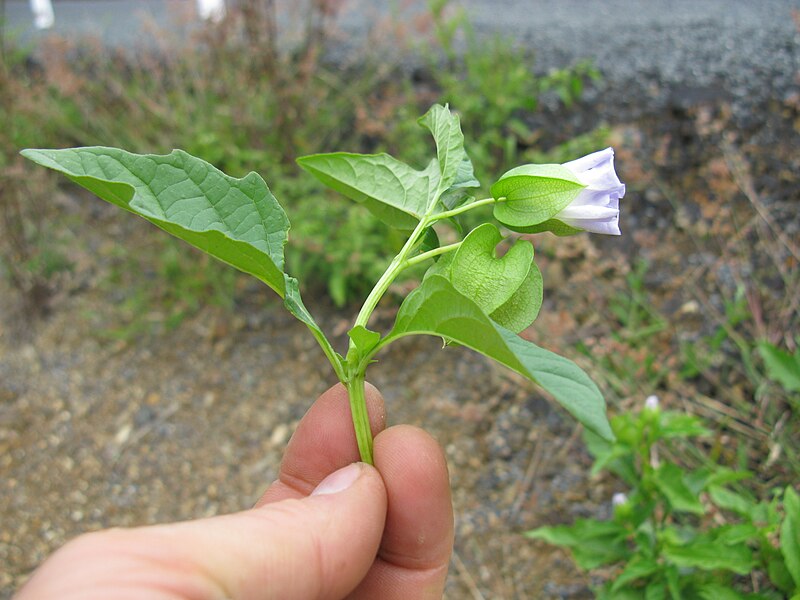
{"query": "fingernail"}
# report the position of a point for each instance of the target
(338, 481)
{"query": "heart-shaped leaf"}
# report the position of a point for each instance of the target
(238, 221)
(479, 274)
(533, 194)
(519, 311)
(437, 308)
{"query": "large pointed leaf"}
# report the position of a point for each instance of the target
(446, 130)
(393, 191)
(437, 308)
(238, 221)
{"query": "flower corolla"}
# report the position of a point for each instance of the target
(596, 207)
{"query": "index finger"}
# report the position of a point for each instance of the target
(323, 442)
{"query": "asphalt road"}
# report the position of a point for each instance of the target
(746, 48)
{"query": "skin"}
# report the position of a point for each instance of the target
(388, 534)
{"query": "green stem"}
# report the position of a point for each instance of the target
(398, 264)
(414, 260)
(354, 380)
(466, 207)
(358, 410)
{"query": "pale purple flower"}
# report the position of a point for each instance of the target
(596, 208)
(618, 499)
(651, 403)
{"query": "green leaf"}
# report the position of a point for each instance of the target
(519, 311)
(781, 366)
(554, 226)
(724, 475)
(533, 194)
(457, 193)
(656, 590)
(680, 425)
(441, 267)
(779, 574)
(715, 591)
(437, 308)
(478, 273)
(446, 130)
(733, 534)
(593, 543)
(710, 556)
(393, 191)
(729, 500)
(674, 583)
(238, 221)
(790, 534)
(637, 568)
(430, 241)
(670, 481)
(625, 593)
(364, 339)
(577, 533)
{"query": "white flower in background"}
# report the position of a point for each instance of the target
(651, 403)
(43, 15)
(211, 10)
(618, 499)
(596, 208)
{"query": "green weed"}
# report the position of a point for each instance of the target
(679, 532)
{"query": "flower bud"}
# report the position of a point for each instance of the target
(596, 208)
(580, 195)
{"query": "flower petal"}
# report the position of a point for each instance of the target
(604, 226)
(588, 213)
(590, 161)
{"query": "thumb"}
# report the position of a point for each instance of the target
(320, 546)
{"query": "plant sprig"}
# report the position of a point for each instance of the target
(469, 295)
(680, 533)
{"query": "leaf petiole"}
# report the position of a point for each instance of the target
(395, 267)
(415, 260)
(466, 207)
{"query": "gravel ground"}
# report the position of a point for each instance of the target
(746, 49)
(95, 434)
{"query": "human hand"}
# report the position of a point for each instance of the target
(327, 528)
